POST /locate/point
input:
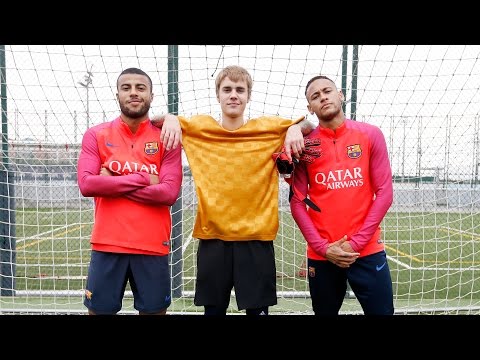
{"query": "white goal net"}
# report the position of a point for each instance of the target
(426, 100)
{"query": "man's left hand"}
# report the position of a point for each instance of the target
(294, 143)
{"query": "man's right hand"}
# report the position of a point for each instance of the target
(171, 134)
(105, 172)
(340, 257)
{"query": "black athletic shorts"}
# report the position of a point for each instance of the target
(246, 266)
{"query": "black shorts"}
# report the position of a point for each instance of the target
(246, 266)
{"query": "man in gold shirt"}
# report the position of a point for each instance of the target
(236, 184)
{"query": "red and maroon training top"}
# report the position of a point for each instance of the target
(131, 216)
(351, 182)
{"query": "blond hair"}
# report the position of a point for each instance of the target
(234, 73)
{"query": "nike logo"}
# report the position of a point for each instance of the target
(381, 266)
(167, 298)
(110, 144)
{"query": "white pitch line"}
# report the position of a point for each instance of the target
(189, 240)
(44, 233)
(406, 266)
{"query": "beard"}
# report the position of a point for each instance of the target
(135, 114)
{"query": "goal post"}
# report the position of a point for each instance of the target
(176, 210)
(7, 196)
(425, 99)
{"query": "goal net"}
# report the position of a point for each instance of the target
(426, 100)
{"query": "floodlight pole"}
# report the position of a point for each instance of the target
(87, 81)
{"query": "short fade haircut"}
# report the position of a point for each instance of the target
(138, 72)
(234, 73)
(317, 78)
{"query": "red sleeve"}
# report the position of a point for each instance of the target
(381, 179)
(88, 173)
(170, 182)
(300, 214)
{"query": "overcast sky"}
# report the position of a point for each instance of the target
(424, 98)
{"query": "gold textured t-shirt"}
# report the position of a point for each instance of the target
(235, 177)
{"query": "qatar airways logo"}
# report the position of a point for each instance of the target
(129, 167)
(340, 179)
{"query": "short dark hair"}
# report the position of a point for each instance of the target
(317, 78)
(137, 71)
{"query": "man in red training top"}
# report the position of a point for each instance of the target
(351, 181)
(134, 181)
